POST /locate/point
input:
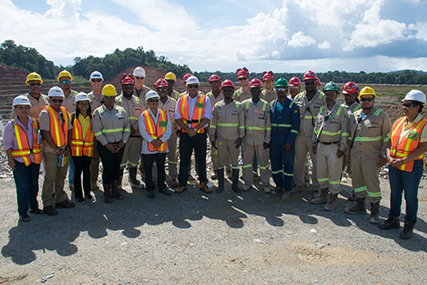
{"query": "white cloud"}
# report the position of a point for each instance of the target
(299, 40)
(324, 45)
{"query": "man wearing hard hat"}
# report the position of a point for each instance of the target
(171, 79)
(140, 89)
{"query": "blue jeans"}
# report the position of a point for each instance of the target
(71, 171)
(405, 181)
(27, 186)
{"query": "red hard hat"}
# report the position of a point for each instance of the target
(350, 88)
(186, 77)
(161, 83)
(227, 83)
(309, 75)
(127, 79)
(255, 83)
(294, 82)
(242, 72)
(267, 76)
(318, 81)
(214, 77)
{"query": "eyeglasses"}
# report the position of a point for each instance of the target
(228, 90)
(193, 86)
(367, 99)
(153, 100)
(407, 105)
(293, 88)
(65, 81)
(310, 83)
(57, 100)
(281, 89)
(26, 107)
(128, 87)
(35, 83)
(96, 80)
(268, 81)
(242, 78)
(139, 77)
(348, 95)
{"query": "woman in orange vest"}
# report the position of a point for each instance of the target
(156, 128)
(405, 154)
(82, 143)
(21, 142)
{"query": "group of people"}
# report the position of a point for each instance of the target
(271, 125)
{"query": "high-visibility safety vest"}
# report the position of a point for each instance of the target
(198, 112)
(156, 131)
(80, 146)
(24, 149)
(59, 133)
(408, 143)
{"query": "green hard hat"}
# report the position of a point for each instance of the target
(281, 82)
(331, 86)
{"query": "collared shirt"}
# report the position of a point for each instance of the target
(269, 96)
(111, 126)
(228, 121)
(352, 108)
(141, 94)
(133, 107)
(85, 123)
(257, 122)
(214, 99)
(94, 101)
(308, 111)
(147, 137)
(37, 105)
(191, 103)
(44, 125)
(9, 137)
(241, 95)
(69, 102)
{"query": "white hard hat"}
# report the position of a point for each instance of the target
(55, 91)
(139, 71)
(96, 75)
(192, 80)
(415, 95)
(151, 94)
(21, 100)
(82, 97)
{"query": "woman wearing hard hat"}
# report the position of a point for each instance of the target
(82, 145)
(111, 127)
(405, 154)
(22, 145)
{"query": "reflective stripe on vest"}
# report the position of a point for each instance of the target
(198, 112)
(156, 131)
(24, 150)
(408, 144)
(59, 133)
(80, 147)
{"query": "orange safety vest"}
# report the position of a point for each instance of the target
(80, 147)
(408, 143)
(59, 133)
(24, 150)
(156, 131)
(198, 112)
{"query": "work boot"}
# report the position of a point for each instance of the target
(332, 202)
(360, 207)
(286, 195)
(408, 231)
(374, 218)
(277, 190)
(108, 196)
(322, 199)
(235, 179)
(134, 182)
(205, 188)
(116, 192)
(220, 176)
(352, 197)
(390, 223)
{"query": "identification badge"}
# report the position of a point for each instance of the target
(163, 124)
(412, 135)
(200, 105)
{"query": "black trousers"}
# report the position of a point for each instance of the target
(160, 159)
(111, 163)
(81, 163)
(186, 146)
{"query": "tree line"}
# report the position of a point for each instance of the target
(29, 59)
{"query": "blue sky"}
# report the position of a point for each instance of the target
(278, 35)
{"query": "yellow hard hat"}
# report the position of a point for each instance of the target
(367, 91)
(33, 76)
(170, 76)
(64, 73)
(109, 90)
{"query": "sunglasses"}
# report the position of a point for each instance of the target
(193, 86)
(281, 89)
(310, 83)
(36, 83)
(293, 88)
(268, 81)
(407, 105)
(128, 86)
(367, 99)
(23, 107)
(242, 78)
(65, 81)
(228, 90)
(348, 95)
(153, 100)
(96, 80)
(57, 100)
(139, 77)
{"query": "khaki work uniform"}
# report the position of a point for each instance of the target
(69, 102)
(257, 132)
(350, 110)
(214, 152)
(94, 101)
(94, 163)
(269, 96)
(37, 105)
(227, 125)
(330, 134)
(141, 94)
(175, 94)
(169, 106)
(371, 136)
(240, 95)
(134, 109)
(304, 141)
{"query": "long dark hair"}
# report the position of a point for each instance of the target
(89, 110)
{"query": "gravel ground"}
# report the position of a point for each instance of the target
(193, 238)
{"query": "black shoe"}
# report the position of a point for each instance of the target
(35, 211)
(219, 190)
(165, 191)
(407, 232)
(151, 194)
(50, 210)
(81, 199)
(88, 197)
(25, 218)
(65, 204)
(390, 223)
